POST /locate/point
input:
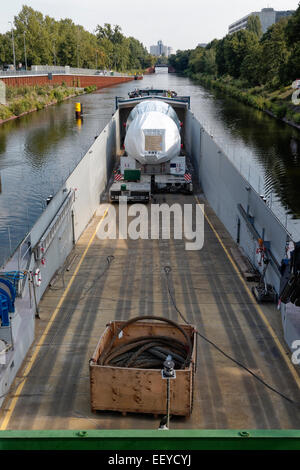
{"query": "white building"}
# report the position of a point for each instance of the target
(160, 49)
(267, 16)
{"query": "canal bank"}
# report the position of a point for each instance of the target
(276, 103)
(33, 99)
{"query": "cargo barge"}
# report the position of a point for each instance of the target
(69, 284)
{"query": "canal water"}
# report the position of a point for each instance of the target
(38, 151)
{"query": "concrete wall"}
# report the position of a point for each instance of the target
(69, 80)
(91, 175)
(225, 188)
(89, 179)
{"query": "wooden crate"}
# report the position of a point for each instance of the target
(141, 390)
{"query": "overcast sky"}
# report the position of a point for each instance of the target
(181, 24)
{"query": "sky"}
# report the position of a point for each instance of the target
(180, 24)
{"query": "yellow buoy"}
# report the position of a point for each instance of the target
(78, 110)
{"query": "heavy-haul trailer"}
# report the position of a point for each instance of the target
(152, 144)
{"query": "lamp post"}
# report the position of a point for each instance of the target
(25, 54)
(54, 51)
(77, 33)
(13, 44)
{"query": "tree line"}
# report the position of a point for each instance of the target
(46, 41)
(272, 58)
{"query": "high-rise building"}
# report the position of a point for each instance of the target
(160, 49)
(267, 16)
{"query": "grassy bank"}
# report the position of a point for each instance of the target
(20, 100)
(277, 103)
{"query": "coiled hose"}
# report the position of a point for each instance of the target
(148, 351)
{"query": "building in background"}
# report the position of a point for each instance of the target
(160, 49)
(267, 16)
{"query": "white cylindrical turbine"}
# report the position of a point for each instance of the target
(153, 134)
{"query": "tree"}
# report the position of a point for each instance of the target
(113, 34)
(290, 69)
(220, 57)
(122, 53)
(293, 28)
(275, 53)
(251, 66)
(6, 54)
(254, 25)
(203, 60)
(180, 60)
(272, 58)
(195, 60)
(236, 47)
(38, 40)
(62, 42)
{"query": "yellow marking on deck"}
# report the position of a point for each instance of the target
(43, 337)
(256, 305)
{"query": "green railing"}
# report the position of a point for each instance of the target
(151, 440)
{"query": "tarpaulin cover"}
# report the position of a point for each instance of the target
(152, 137)
(153, 105)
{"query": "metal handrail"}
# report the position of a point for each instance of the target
(62, 71)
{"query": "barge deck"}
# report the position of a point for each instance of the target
(51, 391)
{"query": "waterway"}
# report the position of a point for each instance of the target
(38, 151)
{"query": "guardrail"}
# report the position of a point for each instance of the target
(41, 70)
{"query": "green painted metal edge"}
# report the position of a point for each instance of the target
(150, 440)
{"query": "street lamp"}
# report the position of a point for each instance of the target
(54, 51)
(13, 44)
(25, 55)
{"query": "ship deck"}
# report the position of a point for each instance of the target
(51, 391)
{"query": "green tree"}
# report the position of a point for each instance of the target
(138, 55)
(203, 61)
(236, 47)
(220, 57)
(251, 66)
(293, 28)
(290, 70)
(6, 54)
(194, 63)
(254, 25)
(62, 42)
(111, 39)
(180, 60)
(38, 40)
(275, 53)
